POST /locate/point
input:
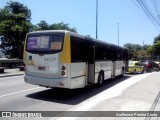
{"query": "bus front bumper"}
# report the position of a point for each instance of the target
(47, 82)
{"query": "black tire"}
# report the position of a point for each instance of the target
(157, 69)
(134, 72)
(143, 71)
(122, 72)
(100, 79)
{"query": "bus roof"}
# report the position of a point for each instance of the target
(78, 35)
(97, 41)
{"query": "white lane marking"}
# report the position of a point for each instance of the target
(114, 91)
(19, 92)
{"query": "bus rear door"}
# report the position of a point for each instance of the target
(91, 64)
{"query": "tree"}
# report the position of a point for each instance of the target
(145, 47)
(132, 49)
(156, 47)
(150, 51)
(136, 51)
(142, 54)
(43, 25)
(14, 25)
(156, 39)
(62, 26)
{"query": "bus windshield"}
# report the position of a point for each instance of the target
(44, 43)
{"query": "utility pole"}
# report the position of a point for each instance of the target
(118, 32)
(96, 19)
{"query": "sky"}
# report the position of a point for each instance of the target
(134, 25)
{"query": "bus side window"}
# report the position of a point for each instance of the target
(80, 49)
(100, 52)
(114, 55)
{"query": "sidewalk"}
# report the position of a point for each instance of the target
(136, 98)
(143, 95)
(11, 72)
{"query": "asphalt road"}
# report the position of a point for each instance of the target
(128, 93)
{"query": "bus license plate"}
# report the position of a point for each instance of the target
(42, 68)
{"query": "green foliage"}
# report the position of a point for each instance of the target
(133, 46)
(142, 54)
(150, 51)
(156, 39)
(156, 47)
(43, 25)
(14, 25)
(136, 51)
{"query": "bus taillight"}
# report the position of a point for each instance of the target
(63, 68)
(63, 73)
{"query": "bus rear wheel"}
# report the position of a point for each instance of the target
(134, 72)
(100, 79)
(122, 72)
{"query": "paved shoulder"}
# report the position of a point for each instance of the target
(11, 72)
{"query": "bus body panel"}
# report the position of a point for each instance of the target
(78, 75)
(47, 82)
(65, 55)
(43, 66)
(119, 66)
(78, 82)
(78, 69)
(103, 65)
(106, 67)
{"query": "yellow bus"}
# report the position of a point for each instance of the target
(63, 59)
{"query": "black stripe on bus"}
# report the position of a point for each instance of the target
(78, 76)
(119, 68)
(107, 70)
(104, 71)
